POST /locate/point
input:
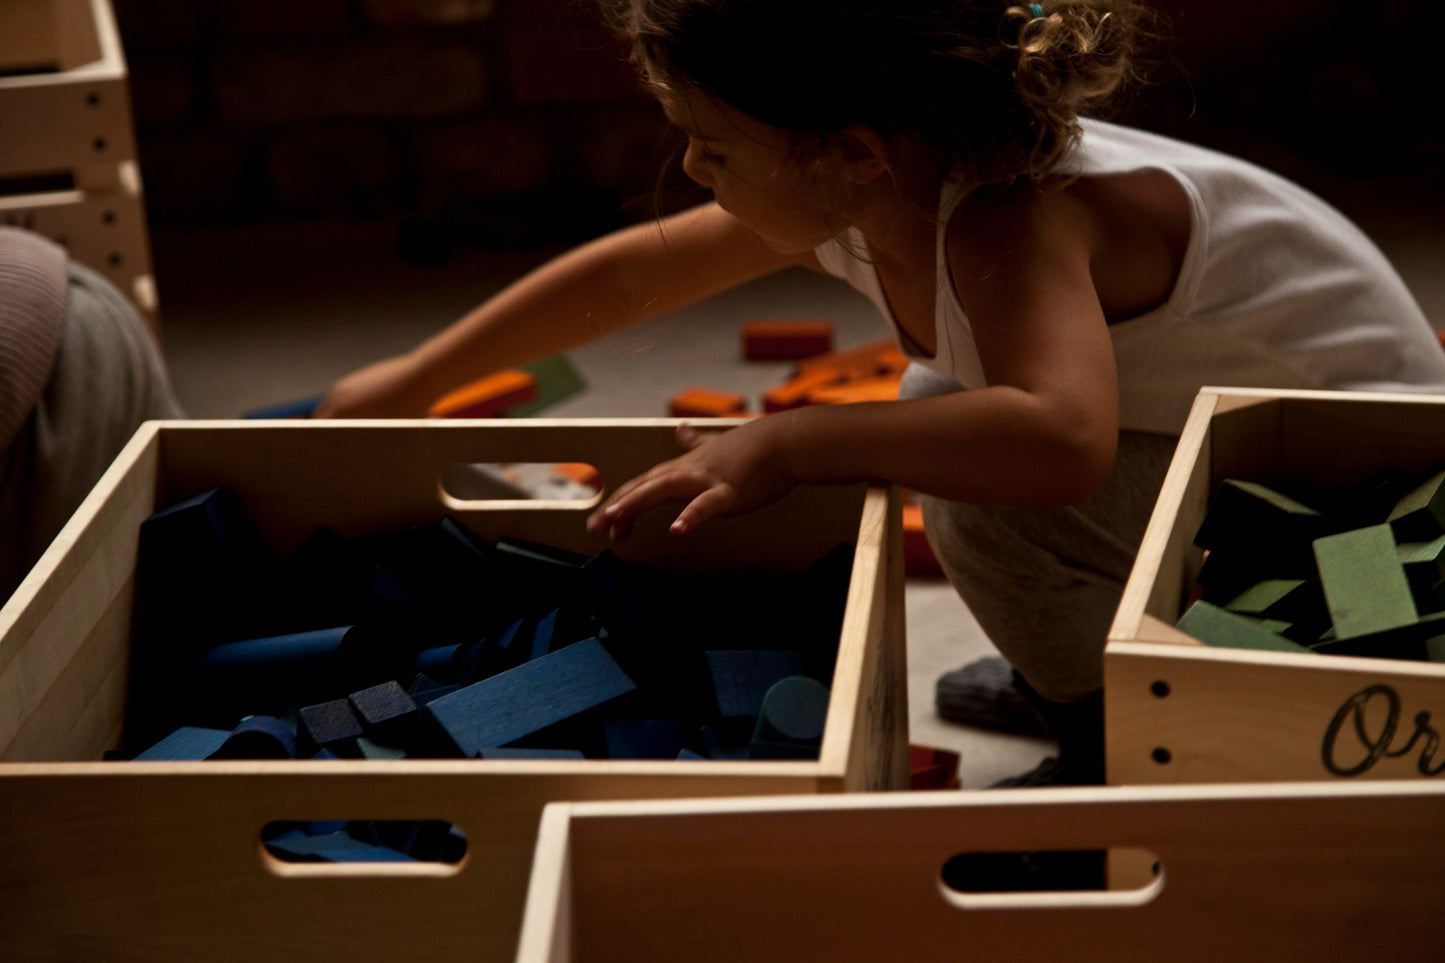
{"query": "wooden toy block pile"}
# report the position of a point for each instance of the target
(432, 642)
(1363, 575)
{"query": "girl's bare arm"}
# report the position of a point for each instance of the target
(600, 287)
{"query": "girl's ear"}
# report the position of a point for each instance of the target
(866, 154)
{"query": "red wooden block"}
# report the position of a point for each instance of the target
(786, 340)
(918, 557)
(487, 397)
(931, 768)
(580, 472)
(706, 403)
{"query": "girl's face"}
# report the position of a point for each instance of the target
(746, 164)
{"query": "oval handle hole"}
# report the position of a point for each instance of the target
(1037, 878)
(364, 841)
(574, 484)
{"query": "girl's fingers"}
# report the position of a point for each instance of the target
(710, 503)
(688, 436)
(618, 516)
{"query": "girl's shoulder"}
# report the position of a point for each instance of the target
(991, 227)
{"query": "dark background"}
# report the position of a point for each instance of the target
(514, 124)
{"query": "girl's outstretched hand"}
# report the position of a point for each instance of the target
(723, 473)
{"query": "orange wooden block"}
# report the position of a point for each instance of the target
(706, 403)
(487, 397)
(581, 473)
(861, 362)
(794, 393)
(918, 557)
(786, 340)
(1441, 335)
(863, 389)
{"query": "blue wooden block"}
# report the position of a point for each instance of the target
(519, 752)
(332, 848)
(792, 717)
(386, 712)
(742, 677)
(643, 738)
(259, 737)
(186, 743)
(300, 408)
(499, 651)
(536, 578)
(331, 725)
(421, 839)
(687, 755)
(436, 661)
(424, 689)
(523, 701)
(716, 746)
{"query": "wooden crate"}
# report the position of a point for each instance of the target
(162, 861)
(65, 108)
(1302, 871)
(1179, 711)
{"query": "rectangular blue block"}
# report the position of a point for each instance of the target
(186, 743)
(529, 698)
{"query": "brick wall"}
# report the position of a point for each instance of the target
(499, 122)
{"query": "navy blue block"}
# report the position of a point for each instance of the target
(643, 739)
(494, 752)
(270, 674)
(436, 661)
(742, 677)
(386, 712)
(687, 755)
(506, 648)
(424, 689)
(259, 737)
(332, 726)
(300, 408)
(523, 701)
(186, 743)
(332, 848)
(793, 713)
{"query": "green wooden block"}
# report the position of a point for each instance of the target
(1435, 649)
(1420, 515)
(1296, 603)
(1364, 584)
(1402, 642)
(1424, 564)
(1254, 522)
(1213, 625)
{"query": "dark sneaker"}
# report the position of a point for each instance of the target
(984, 694)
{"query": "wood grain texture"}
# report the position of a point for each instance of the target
(1269, 872)
(162, 860)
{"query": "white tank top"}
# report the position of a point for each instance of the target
(1276, 289)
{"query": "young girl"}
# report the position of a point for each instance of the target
(1064, 287)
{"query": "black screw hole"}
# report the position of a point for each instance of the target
(98, 144)
(1160, 688)
(109, 218)
(92, 99)
(114, 259)
(1161, 756)
(1154, 870)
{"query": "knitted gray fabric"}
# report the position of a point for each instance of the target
(108, 376)
(32, 311)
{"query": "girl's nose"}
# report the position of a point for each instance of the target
(694, 167)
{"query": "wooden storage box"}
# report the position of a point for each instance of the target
(1179, 711)
(68, 158)
(1247, 872)
(163, 861)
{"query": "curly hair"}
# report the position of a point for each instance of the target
(995, 88)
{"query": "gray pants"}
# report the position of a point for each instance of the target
(108, 377)
(1044, 583)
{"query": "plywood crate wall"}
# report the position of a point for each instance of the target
(1178, 711)
(162, 861)
(68, 165)
(1255, 872)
